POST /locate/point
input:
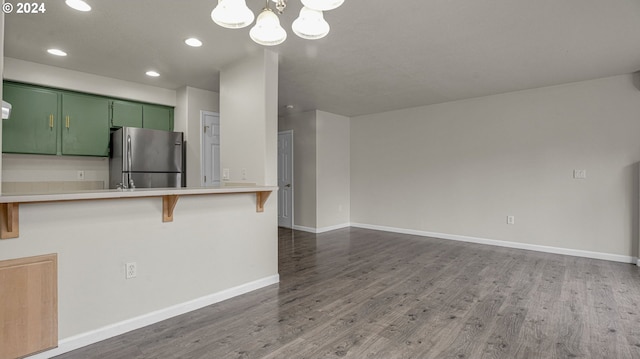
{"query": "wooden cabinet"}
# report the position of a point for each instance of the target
(134, 114)
(33, 126)
(125, 114)
(157, 117)
(49, 121)
(29, 305)
(85, 127)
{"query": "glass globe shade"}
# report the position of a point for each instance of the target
(310, 24)
(322, 5)
(232, 14)
(267, 30)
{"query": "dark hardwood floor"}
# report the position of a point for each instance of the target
(356, 293)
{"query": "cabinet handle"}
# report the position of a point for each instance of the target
(67, 121)
(51, 121)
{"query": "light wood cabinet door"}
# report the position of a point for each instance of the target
(28, 305)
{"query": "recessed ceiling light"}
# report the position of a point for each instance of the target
(79, 5)
(152, 74)
(57, 52)
(192, 41)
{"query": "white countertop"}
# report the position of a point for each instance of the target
(128, 193)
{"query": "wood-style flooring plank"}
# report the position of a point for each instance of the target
(356, 293)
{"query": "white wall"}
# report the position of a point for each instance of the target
(321, 168)
(332, 170)
(460, 168)
(190, 101)
(181, 111)
(304, 166)
(270, 154)
(41, 168)
(248, 118)
(44, 75)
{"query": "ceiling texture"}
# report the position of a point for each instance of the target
(379, 56)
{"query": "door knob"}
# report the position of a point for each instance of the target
(288, 185)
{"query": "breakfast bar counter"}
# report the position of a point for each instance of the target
(9, 204)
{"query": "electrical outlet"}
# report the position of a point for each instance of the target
(131, 270)
(580, 174)
(244, 173)
(80, 175)
(511, 220)
(225, 174)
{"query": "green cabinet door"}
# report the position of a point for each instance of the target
(126, 114)
(85, 127)
(157, 117)
(33, 125)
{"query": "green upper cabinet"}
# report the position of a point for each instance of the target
(157, 117)
(85, 128)
(125, 114)
(49, 121)
(33, 126)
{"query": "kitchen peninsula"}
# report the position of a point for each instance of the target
(222, 242)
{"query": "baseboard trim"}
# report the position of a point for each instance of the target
(493, 242)
(322, 229)
(304, 229)
(78, 341)
(638, 262)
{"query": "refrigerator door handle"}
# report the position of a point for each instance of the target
(129, 162)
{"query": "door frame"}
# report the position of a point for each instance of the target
(201, 140)
(293, 187)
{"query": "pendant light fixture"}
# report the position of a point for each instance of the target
(310, 25)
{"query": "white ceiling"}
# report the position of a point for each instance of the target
(379, 56)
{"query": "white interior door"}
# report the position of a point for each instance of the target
(285, 179)
(210, 148)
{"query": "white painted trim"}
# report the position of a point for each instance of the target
(321, 230)
(78, 341)
(532, 247)
(333, 228)
(304, 229)
(638, 262)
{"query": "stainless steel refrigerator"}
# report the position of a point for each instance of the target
(144, 158)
